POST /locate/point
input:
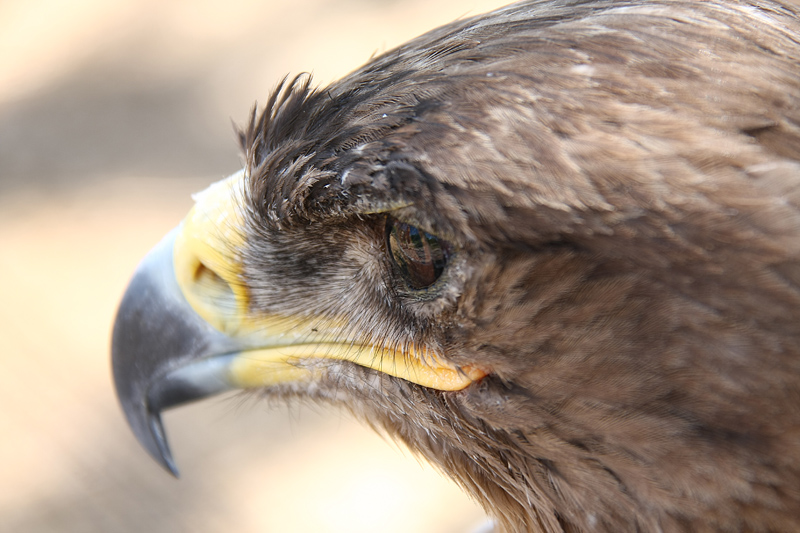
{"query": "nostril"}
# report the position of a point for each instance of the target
(203, 274)
(209, 294)
(210, 284)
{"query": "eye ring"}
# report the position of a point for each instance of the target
(418, 256)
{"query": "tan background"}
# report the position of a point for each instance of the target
(111, 114)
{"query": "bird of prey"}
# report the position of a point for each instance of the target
(555, 249)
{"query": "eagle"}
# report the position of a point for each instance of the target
(555, 249)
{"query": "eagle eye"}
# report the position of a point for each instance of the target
(419, 256)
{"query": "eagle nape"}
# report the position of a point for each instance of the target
(555, 249)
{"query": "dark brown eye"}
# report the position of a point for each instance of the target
(420, 257)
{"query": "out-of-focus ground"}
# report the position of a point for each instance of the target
(111, 114)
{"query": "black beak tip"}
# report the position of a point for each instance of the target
(163, 455)
(146, 424)
(149, 431)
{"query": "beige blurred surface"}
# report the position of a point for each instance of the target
(111, 114)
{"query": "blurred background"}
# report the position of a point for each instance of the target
(111, 115)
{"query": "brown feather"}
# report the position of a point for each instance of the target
(622, 180)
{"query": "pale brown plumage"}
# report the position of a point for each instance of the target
(622, 182)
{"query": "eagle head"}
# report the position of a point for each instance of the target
(554, 249)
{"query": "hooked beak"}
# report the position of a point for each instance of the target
(154, 320)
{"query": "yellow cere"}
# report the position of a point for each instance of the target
(204, 255)
(208, 272)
